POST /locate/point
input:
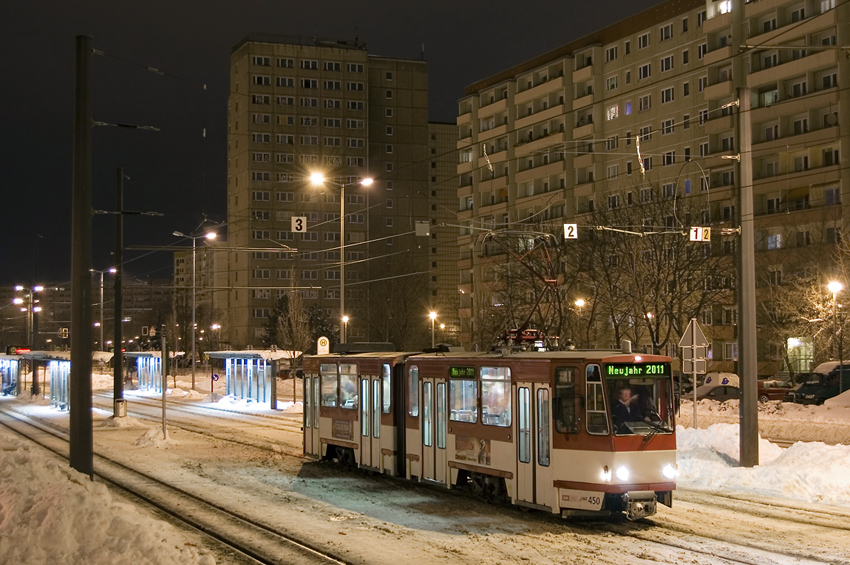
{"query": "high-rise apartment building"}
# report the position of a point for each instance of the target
(647, 104)
(299, 107)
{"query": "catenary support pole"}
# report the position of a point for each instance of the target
(80, 452)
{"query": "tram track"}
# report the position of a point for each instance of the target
(235, 531)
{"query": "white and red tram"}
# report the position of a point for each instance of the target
(569, 432)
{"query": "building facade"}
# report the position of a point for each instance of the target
(303, 107)
(644, 109)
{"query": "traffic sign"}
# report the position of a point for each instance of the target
(694, 366)
(693, 335)
(323, 346)
(696, 352)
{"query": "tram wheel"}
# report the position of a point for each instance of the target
(478, 483)
(345, 456)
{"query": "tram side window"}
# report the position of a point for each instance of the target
(348, 385)
(597, 415)
(463, 400)
(495, 396)
(386, 371)
(566, 419)
(329, 384)
(413, 391)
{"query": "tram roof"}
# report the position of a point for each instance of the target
(574, 354)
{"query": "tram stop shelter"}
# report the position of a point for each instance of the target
(10, 374)
(149, 368)
(57, 372)
(252, 374)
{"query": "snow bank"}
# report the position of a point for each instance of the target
(54, 514)
(812, 472)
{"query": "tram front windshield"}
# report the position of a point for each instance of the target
(640, 398)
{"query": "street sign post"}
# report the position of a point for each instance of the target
(693, 345)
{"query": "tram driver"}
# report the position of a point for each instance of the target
(625, 410)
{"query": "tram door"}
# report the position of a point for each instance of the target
(534, 432)
(434, 430)
(312, 445)
(370, 421)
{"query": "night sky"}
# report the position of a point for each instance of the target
(177, 171)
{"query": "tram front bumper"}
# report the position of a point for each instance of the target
(639, 504)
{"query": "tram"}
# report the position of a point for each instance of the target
(579, 433)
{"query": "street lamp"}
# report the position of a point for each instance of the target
(580, 304)
(31, 309)
(112, 270)
(433, 316)
(344, 328)
(210, 235)
(318, 179)
(835, 287)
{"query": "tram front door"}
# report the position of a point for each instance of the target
(534, 473)
(370, 422)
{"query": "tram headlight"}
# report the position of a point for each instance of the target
(670, 471)
(622, 473)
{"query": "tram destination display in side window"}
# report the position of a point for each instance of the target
(637, 370)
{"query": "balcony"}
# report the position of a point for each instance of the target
(719, 90)
(719, 124)
(582, 75)
(540, 171)
(524, 148)
(494, 107)
(539, 116)
(465, 118)
(586, 100)
(464, 141)
(808, 139)
(493, 184)
(553, 84)
(464, 167)
(714, 57)
(717, 23)
(585, 130)
(819, 59)
(492, 132)
(583, 161)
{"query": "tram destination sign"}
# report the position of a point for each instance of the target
(462, 372)
(621, 370)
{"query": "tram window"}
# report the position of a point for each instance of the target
(364, 408)
(376, 408)
(463, 400)
(413, 391)
(523, 425)
(427, 417)
(387, 397)
(329, 384)
(348, 385)
(566, 419)
(597, 414)
(495, 396)
(543, 427)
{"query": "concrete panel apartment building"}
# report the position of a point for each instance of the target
(593, 124)
(300, 106)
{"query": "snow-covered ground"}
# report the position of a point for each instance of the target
(51, 513)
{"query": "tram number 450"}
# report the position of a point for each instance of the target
(700, 234)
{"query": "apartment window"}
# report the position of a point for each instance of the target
(258, 157)
(644, 71)
(285, 177)
(627, 107)
(261, 195)
(628, 77)
(667, 63)
(645, 133)
(285, 197)
(667, 127)
(702, 49)
(262, 118)
(333, 66)
(727, 144)
(829, 80)
(309, 140)
(703, 149)
(286, 63)
(261, 80)
(647, 163)
(355, 124)
(774, 241)
(309, 65)
(830, 157)
(703, 116)
(356, 162)
(665, 32)
(285, 100)
(831, 196)
(389, 112)
(332, 141)
(801, 163)
(355, 86)
(309, 121)
(260, 234)
(260, 176)
(611, 143)
(798, 89)
(355, 105)
(611, 54)
(356, 142)
(627, 47)
(612, 171)
(687, 155)
(611, 83)
(667, 95)
(798, 14)
(669, 158)
(613, 201)
(727, 178)
(645, 102)
(285, 139)
(389, 167)
(685, 57)
(801, 126)
(389, 148)
(261, 99)
(686, 121)
(686, 89)
(643, 41)
(702, 82)
(261, 137)
(701, 17)
(310, 102)
(612, 112)
(333, 85)
(355, 67)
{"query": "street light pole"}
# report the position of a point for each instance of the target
(433, 316)
(318, 179)
(835, 287)
(194, 238)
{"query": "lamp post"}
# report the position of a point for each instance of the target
(344, 328)
(835, 287)
(110, 270)
(318, 179)
(31, 309)
(579, 304)
(209, 236)
(433, 316)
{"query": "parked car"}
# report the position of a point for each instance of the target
(773, 389)
(720, 393)
(823, 383)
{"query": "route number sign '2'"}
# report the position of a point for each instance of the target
(570, 231)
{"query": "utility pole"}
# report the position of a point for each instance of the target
(117, 337)
(81, 444)
(747, 348)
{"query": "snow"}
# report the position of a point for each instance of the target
(51, 513)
